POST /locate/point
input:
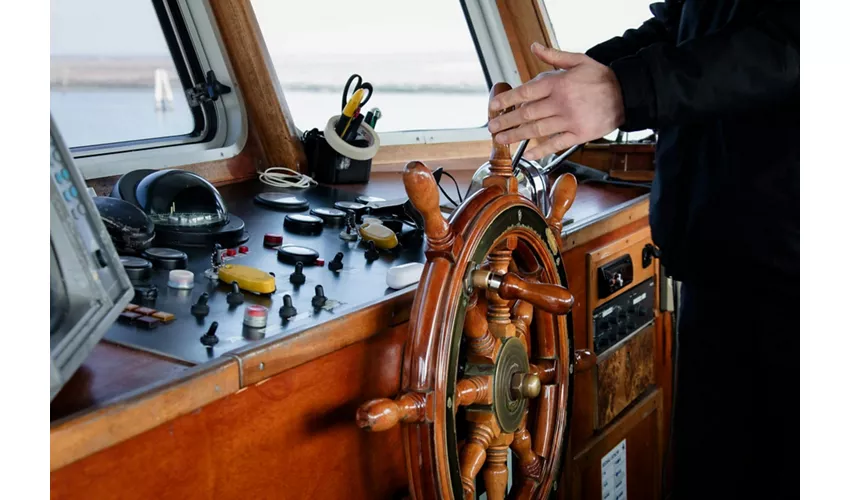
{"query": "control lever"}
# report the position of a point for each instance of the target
(553, 299)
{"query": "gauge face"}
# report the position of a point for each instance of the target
(282, 201)
(291, 254)
(179, 199)
(369, 199)
(349, 205)
(303, 224)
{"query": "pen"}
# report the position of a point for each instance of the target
(376, 116)
(368, 118)
(348, 112)
(351, 134)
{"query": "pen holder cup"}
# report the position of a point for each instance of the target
(335, 161)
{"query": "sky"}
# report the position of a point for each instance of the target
(314, 27)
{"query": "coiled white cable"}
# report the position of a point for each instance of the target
(286, 178)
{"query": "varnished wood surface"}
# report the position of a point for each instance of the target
(111, 371)
(289, 437)
(525, 23)
(73, 439)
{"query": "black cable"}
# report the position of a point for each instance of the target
(457, 188)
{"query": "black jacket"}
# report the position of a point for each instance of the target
(720, 81)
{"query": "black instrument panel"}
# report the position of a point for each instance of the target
(357, 284)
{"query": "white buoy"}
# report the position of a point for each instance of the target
(162, 93)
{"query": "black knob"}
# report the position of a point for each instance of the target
(631, 325)
(336, 264)
(372, 252)
(235, 297)
(319, 299)
(298, 278)
(621, 313)
(642, 311)
(287, 310)
(631, 309)
(209, 339)
(200, 309)
(216, 256)
(622, 332)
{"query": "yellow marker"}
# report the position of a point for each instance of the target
(383, 236)
(349, 110)
(249, 279)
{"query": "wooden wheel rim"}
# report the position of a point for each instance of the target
(503, 216)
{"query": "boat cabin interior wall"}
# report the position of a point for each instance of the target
(532, 347)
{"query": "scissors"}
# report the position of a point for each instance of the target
(349, 92)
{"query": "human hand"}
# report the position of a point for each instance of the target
(569, 107)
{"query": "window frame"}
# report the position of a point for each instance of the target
(497, 64)
(195, 38)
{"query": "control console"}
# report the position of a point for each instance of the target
(623, 315)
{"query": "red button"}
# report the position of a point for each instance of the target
(319, 262)
(243, 249)
(272, 240)
(231, 252)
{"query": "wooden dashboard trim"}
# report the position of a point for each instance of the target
(277, 355)
(610, 220)
(80, 436)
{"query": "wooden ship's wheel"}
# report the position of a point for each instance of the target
(488, 364)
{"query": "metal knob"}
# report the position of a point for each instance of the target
(525, 385)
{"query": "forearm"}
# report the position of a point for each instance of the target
(737, 69)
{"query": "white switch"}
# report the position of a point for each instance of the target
(404, 275)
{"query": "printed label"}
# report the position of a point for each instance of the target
(614, 473)
(639, 298)
(608, 311)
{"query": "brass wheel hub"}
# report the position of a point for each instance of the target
(512, 384)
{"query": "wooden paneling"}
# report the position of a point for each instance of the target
(269, 117)
(276, 356)
(95, 382)
(622, 375)
(289, 437)
(605, 226)
(104, 428)
(641, 428)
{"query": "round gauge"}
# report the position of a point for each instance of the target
(303, 224)
(166, 258)
(331, 216)
(291, 254)
(180, 199)
(137, 269)
(350, 205)
(365, 199)
(282, 201)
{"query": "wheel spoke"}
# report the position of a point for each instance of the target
(482, 343)
(473, 454)
(547, 416)
(546, 370)
(496, 472)
(474, 390)
(523, 313)
(530, 464)
(498, 310)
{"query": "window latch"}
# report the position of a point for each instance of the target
(209, 90)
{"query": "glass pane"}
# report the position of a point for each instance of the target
(106, 58)
(419, 56)
(579, 25)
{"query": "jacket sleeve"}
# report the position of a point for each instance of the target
(660, 28)
(652, 31)
(740, 68)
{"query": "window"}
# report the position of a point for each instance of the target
(420, 57)
(579, 25)
(119, 73)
